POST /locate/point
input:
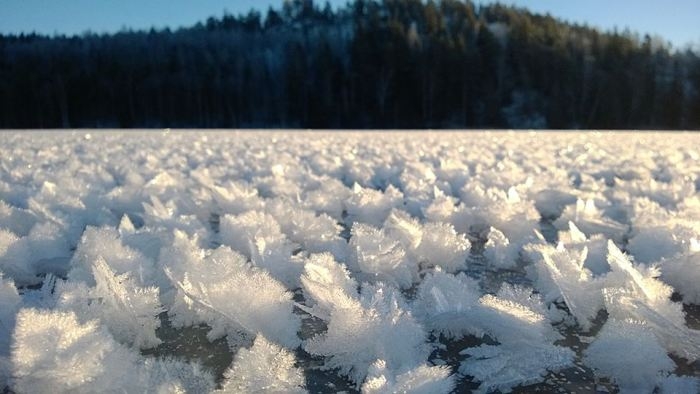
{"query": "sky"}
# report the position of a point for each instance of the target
(674, 20)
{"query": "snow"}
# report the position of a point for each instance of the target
(378, 262)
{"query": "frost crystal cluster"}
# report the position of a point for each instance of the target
(267, 262)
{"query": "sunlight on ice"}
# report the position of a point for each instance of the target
(372, 262)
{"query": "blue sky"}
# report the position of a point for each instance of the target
(675, 20)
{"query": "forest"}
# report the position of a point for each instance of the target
(397, 64)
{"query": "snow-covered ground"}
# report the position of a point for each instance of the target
(382, 262)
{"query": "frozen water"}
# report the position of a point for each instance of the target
(128, 310)
(53, 352)
(375, 327)
(379, 256)
(9, 304)
(421, 380)
(444, 304)
(349, 261)
(560, 273)
(220, 288)
(628, 353)
(259, 237)
(265, 367)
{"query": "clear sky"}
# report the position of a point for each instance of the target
(675, 20)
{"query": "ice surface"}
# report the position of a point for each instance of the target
(380, 262)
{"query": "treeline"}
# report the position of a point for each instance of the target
(371, 64)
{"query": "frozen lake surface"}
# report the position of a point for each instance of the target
(380, 262)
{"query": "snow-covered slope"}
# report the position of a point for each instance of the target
(380, 262)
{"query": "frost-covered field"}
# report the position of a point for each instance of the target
(379, 262)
